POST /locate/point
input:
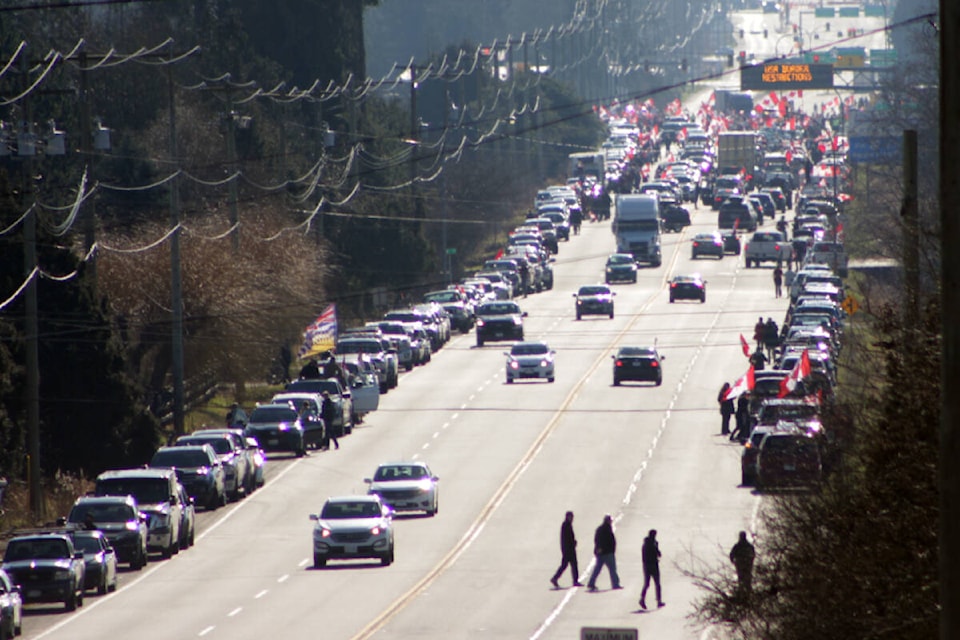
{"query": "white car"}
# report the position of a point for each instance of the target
(353, 527)
(530, 360)
(406, 486)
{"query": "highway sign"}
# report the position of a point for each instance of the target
(884, 150)
(850, 305)
(600, 633)
(776, 76)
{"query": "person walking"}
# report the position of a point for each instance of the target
(604, 550)
(330, 431)
(741, 430)
(742, 555)
(757, 359)
(758, 332)
(771, 338)
(726, 409)
(651, 567)
(778, 281)
(568, 552)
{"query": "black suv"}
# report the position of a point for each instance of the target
(502, 320)
(119, 517)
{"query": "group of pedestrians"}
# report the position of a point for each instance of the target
(605, 549)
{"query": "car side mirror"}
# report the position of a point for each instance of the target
(314, 517)
(368, 480)
(574, 295)
(523, 315)
(62, 521)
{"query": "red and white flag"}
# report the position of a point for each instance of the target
(745, 346)
(743, 384)
(800, 371)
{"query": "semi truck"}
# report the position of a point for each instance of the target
(737, 154)
(636, 226)
(587, 163)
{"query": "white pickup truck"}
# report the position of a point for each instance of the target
(767, 246)
(831, 254)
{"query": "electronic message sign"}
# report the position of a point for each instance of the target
(776, 76)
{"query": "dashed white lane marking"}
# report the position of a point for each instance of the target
(235, 612)
(206, 631)
(283, 578)
(261, 594)
(435, 434)
(426, 446)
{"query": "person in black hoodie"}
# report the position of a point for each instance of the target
(604, 549)
(651, 567)
(568, 551)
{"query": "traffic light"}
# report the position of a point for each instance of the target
(816, 58)
(743, 57)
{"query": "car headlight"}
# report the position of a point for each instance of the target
(544, 363)
(480, 322)
(517, 320)
(514, 364)
(132, 525)
(283, 426)
(609, 269)
(375, 531)
(322, 533)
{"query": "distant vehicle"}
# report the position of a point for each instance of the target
(621, 267)
(767, 246)
(688, 288)
(406, 486)
(788, 459)
(353, 527)
(502, 320)
(530, 360)
(731, 243)
(637, 363)
(736, 215)
(199, 470)
(707, 244)
(636, 226)
(594, 300)
(155, 491)
(11, 607)
(120, 519)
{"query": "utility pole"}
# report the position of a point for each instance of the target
(232, 163)
(176, 292)
(909, 212)
(949, 474)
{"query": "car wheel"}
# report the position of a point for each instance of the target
(384, 387)
(611, 314)
(70, 604)
(745, 479)
(113, 585)
(409, 365)
(213, 502)
(387, 560)
(102, 587)
(319, 562)
(509, 380)
(223, 499)
(166, 552)
(301, 451)
(578, 316)
(671, 299)
(659, 381)
(616, 382)
(703, 299)
(479, 341)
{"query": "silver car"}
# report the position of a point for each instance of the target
(530, 360)
(406, 486)
(353, 527)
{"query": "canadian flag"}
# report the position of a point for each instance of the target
(745, 346)
(499, 255)
(743, 384)
(800, 371)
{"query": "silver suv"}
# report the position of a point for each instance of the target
(157, 496)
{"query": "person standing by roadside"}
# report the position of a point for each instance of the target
(331, 431)
(742, 555)
(758, 333)
(742, 429)
(778, 280)
(726, 409)
(604, 550)
(651, 567)
(568, 552)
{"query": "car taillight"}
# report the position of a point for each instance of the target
(654, 364)
(619, 363)
(696, 244)
(673, 285)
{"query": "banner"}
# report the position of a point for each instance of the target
(321, 335)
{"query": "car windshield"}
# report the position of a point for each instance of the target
(620, 259)
(593, 290)
(635, 351)
(182, 458)
(145, 490)
(315, 386)
(400, 472)
(495, 309)
(263, 415)
(345, 510)
(221, 445)
(529, 350)
(87, 544)
(36, 550)
(359, 346)
(101, 512)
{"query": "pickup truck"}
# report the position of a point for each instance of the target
(47, 567)
(767, 246)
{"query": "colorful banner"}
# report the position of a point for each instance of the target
(321, 335)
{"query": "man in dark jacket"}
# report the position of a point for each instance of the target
(726, 409)
(568, 552)
(742, 555)
(331, 430)
(651, 567)
(604, 550)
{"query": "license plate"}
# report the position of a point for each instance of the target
(34, 593)
(498, 334)
(273, 441)
(350, 548)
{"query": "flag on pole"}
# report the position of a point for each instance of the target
(800, 371)
(743, 384)
(321, 334)
(745, 346)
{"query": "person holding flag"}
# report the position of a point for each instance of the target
(800, 371)
(739, 391)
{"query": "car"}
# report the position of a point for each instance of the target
(372, 347)
(243, 450)
(530, 360)
(155, 491)
(788, 459)
(47, 567)
(11, 607)
(500, 320)
(278, 426)
(99, 558)
(707, 244)
(731, 243)
(188, 519)
(621, 267)
(691, 287)
(119, 517)
(223, 446)
(594, 299)
(341, 397)
(638, 363)
(353, 527)
(199, 470)
(310, 407)
(406, 486)
(748, 455)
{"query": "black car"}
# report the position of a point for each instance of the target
(99, 558)
(118, 517)
(637, 363)
(674, 218)
(594, 299)
(501, 320)
(198, 469)
(278, 427)
(688, 288)
(621, 267)
(731, 243)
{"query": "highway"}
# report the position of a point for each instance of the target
(511, 459)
